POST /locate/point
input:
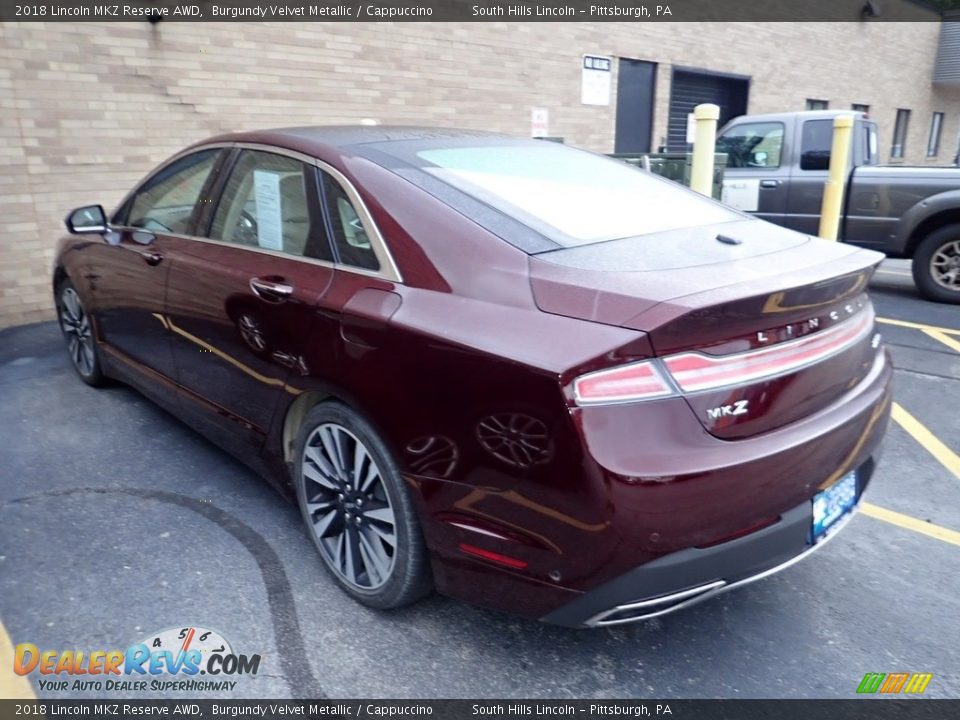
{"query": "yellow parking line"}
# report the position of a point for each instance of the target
(931, 443)
(918, 326)
(12, 686)
(940, 336)
(911, 523)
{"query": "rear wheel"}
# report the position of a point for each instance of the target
(77, 328)
(936, 265)
(357, 510)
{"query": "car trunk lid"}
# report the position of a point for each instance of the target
(757, 327)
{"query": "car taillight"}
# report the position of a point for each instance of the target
(695, 371)
(627, 383)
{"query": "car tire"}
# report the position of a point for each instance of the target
(934, 251)
(353, 514)
(78, 331)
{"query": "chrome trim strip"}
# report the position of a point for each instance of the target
(170, 160)
(471, 528)
(712, 589)
(868, 322)
(660, 363)
(388, 267)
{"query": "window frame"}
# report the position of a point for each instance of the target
(860, 107)
(783, 144)
(896, 154)
(801, 129)
(119, 218)
(314, 205)
(936, 134)
(817, 104)
(388, 267)
(332, 216)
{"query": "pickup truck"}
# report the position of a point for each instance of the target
(776, 169)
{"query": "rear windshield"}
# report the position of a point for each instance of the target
(571, 196)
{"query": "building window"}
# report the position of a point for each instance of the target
(936, 126)
(857, 107)
(813, 104)
(900, 133)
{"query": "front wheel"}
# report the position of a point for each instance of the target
(77, 328)
(357, 511)
(936, 265)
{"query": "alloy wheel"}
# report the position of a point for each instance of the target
(945, 265)
(348, 507)
(76, 327)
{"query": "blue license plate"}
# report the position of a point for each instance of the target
(833, 503)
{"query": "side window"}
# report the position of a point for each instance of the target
(815, 143)
(165, 202)
(265, 204)
(752, 145)
(350, 237)
(869, 134)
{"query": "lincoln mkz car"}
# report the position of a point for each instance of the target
(531, 377)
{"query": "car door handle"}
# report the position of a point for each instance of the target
(271, 290)
(152, 257)
(769, 183)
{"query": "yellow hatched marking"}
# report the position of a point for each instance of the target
(918, 326)
(942, 337)
(907, 522)
(931, 443)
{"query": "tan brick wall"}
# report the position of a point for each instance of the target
(86, 109)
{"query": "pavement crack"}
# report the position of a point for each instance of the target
(283, 613)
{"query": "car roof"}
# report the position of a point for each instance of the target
(312, 138)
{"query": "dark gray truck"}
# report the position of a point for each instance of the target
(776, 168)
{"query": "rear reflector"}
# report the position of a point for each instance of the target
(696, 371)
(493, 556)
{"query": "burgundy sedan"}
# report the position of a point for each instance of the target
(528, 376)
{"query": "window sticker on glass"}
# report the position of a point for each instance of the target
(266, 193)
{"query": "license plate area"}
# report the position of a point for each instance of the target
(832, 504)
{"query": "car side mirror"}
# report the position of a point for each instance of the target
(90, 219)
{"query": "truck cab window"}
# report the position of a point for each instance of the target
(815, 143)
(752, 145)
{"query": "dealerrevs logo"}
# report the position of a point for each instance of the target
(168, 660)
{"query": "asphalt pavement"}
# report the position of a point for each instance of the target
(119, 522)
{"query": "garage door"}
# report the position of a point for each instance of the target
(690, 88)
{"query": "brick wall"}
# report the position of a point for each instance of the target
(86, 109)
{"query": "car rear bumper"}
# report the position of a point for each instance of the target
(689, 576)
(655, 506)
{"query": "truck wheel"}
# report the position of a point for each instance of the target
(936, 265)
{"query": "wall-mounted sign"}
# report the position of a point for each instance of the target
(595, 82)
(539, 122)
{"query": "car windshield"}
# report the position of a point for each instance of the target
(573, 197)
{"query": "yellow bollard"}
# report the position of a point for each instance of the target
(704, 144)
(833, 190)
